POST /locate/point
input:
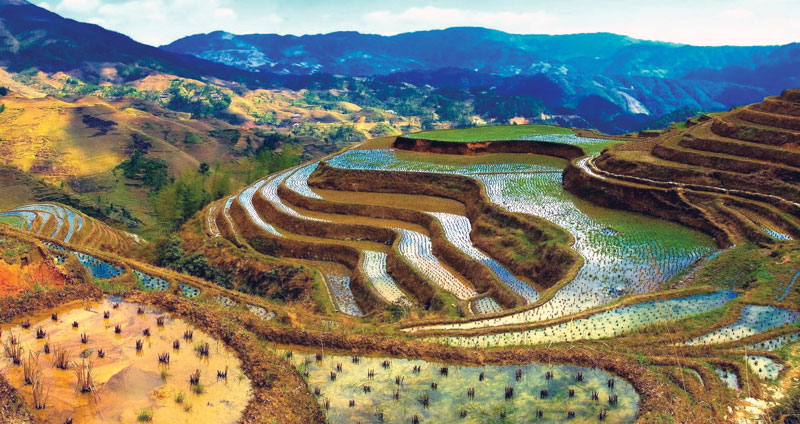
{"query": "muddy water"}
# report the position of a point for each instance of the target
(126, 381)
(450, 398)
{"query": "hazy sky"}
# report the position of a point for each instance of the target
(699, 22)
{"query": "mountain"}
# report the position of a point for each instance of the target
(606, 81)
(480, 49)
(33, 37)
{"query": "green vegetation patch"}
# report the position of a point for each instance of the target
(491, 133)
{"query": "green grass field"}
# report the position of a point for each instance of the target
(490, 133)
(14, 221)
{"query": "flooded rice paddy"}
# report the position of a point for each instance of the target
(391, 390)
(624, 252)
(611, 323)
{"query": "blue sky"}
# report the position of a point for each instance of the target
(699, 22)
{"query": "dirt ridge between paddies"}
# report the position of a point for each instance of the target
(477, 273)
(561, 150)
(552, 241)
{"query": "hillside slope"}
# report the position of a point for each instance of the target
(605, 81)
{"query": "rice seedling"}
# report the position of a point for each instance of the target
(39, 394)
(40, 333)
(139, 345)
(117, 329)
(30, 368)
(84, 338)
(145, 415)
(198, 389)
(106, 314)
(25, 324)
(146, 332)
(83, 373)
(160, 321)
(176, 344)
(163, 358)
(13, 352)
(180, 397)
(611, 323)
(202, 349)
(457, 229)
(418, 249)
(374, 266)
(448, 397)
(75, 324)
(754, 319)
(194, 378)
(618, 260)
(343, 295)
(101, 353)
(222, 375)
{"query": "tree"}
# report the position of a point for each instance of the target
(203, 168)
(3, 91)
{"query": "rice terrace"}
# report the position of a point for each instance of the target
(447, 225)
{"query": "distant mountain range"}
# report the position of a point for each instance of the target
(610, 82)
(31, 36)
(479, 49)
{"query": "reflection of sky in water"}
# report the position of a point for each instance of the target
(623, 252)
(610, 323)
(451, 398)
(753, 320)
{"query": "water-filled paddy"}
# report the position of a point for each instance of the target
(611, 323)
(128, 381)
(754, 319)
(623, 252)
(765, 368)
(399, 390)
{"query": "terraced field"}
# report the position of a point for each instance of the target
(65, 224)
(741, 169)
(354, 389)
(623, 253)
(515, 282)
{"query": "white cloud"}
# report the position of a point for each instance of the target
(429, 17)
(162, 21)
(738, 13)
(225, 12)
(78, 5)
(45, 5)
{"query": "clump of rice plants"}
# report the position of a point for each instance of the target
(145, 415)
(83, 372)
(30, 368)
(202, 349)
(39, 394)
(13, 351)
